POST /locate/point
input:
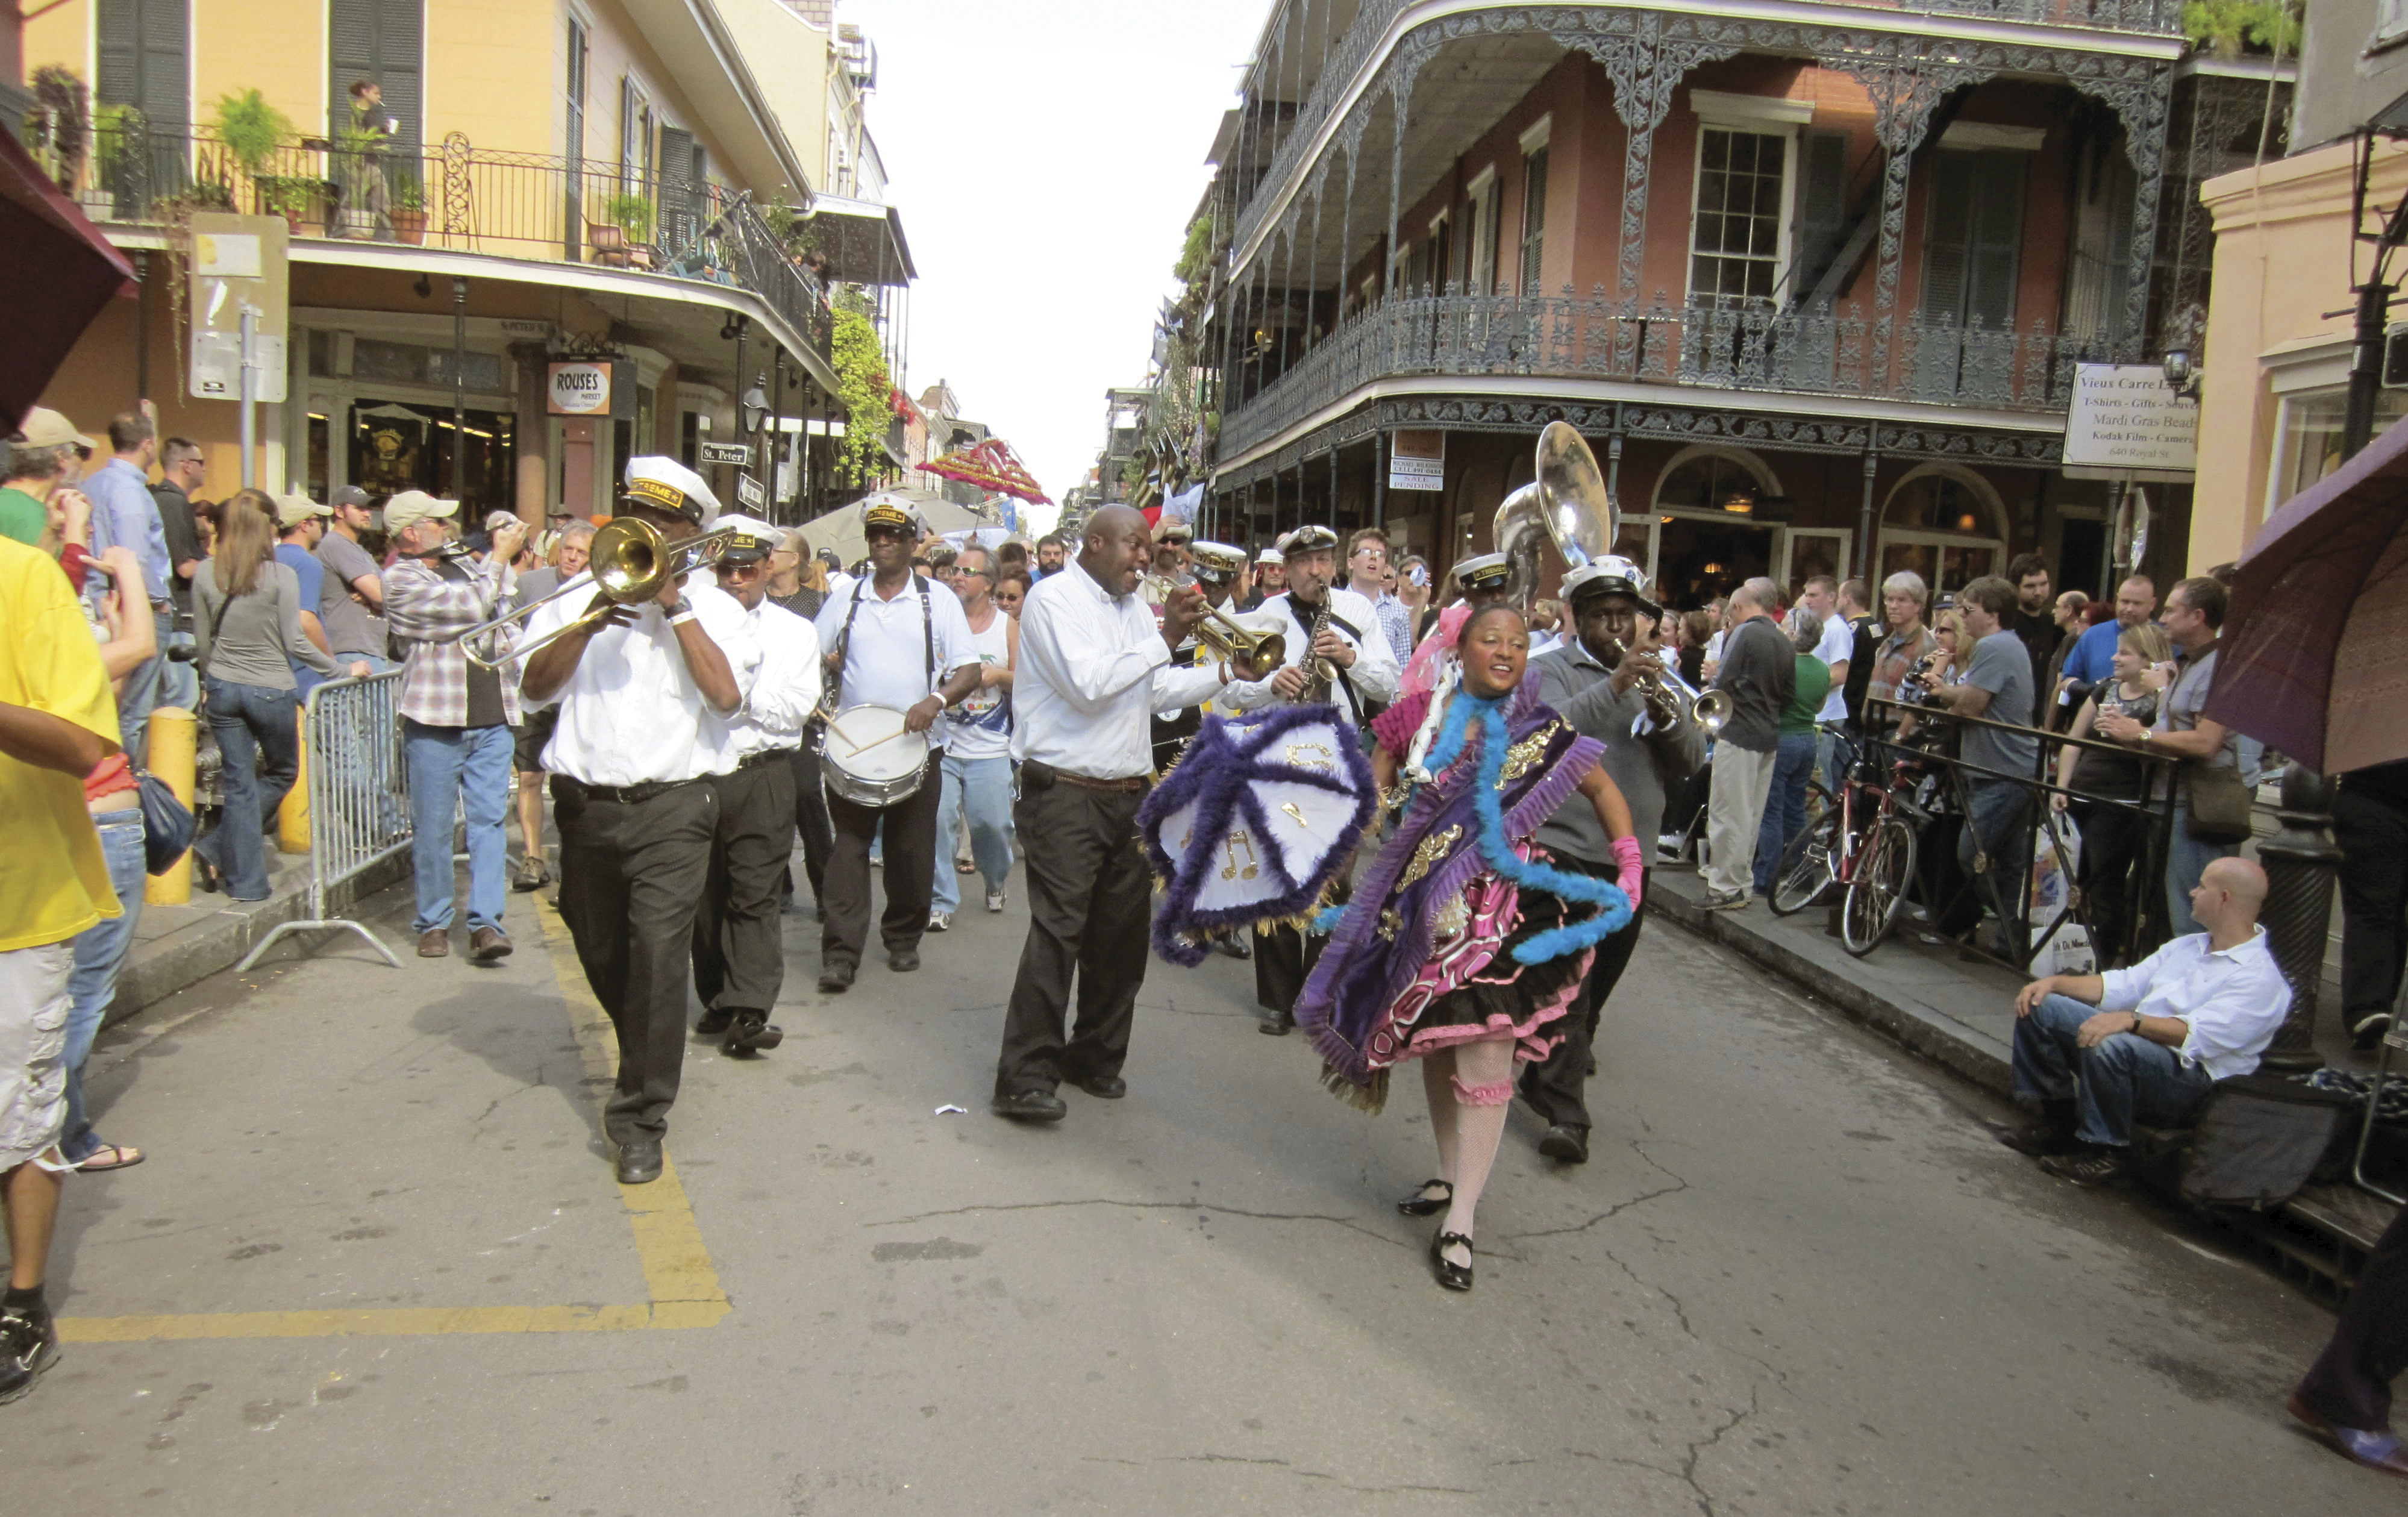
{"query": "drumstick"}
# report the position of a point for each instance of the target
(863, 747)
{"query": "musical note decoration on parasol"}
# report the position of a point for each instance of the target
(991, 465)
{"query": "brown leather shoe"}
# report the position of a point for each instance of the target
(435, 943)
(487, 944)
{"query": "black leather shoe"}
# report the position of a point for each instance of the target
(836, 977)
(639, 1162)
(714, 1023)
(1102, 1087)
(1421, 1204)
(1565, 1143)
(2050, 1133)
(751, 1033)
(1232, 948)
(1455, 1276)
(903, 960)
(1031, 1106)
(1278, 1026)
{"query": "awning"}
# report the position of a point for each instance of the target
(991, 465)
(60, 272)
(861, 240)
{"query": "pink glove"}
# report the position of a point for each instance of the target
(1632, 863)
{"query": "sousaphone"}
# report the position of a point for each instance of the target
(1566, 504)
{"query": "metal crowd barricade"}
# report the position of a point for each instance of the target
(359, 796)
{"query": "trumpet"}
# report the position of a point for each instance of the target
(1654, 687)
(1711, 711)
(632, 561)
(1252, 644)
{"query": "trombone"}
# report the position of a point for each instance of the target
(631, 560)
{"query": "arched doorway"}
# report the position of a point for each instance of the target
(1702, 538)
(1948, 524)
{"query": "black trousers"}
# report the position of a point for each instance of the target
(1089, 898)
(811, 811)
(2374, 837)
(1284, 960)
(738, 962)
(2350, 1383)
(2115, 842)
(1556, 1086)
(630, 878)
(909, 854)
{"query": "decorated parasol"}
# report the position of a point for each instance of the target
(991, 465)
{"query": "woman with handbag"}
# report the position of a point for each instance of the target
(2114, 838)
(2211, 804)
(247, 633)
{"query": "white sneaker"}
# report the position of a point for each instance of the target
(995, 900)
(941, 921)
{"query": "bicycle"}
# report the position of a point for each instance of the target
(1865, 843)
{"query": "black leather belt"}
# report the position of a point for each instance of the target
(635, 795)
(766, 757)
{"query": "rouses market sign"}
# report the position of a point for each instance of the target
(579, 390)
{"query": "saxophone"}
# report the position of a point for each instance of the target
(1320, 673)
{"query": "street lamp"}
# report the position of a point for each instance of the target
(2182, 377)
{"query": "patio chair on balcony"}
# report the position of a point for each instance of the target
(607, 245)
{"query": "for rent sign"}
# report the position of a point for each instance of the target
(2123, 416)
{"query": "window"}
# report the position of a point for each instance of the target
(1942, 526)
(1442, 254)
(573, 94)
(1534, 220)
(1971, 247)
(1821, 219)
(381, 41)
(2390, 20)
(634, 136)
(1480, 276)
(144, 56)
(1735, 235)
(2308, 446)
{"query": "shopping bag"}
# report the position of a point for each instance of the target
(2068, 950)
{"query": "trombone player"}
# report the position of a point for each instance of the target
(1609, 682)
(646, 691)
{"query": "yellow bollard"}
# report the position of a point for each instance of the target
(292, 817)
(173, 732)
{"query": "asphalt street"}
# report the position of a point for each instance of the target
(377, 1264)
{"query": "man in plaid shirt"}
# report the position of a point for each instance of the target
(455, 718)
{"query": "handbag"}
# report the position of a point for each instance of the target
(168, 824)
(2219, 804)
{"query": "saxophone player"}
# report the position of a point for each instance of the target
(1330, 630)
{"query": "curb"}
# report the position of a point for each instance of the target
(1924, 1030)
(197, 949)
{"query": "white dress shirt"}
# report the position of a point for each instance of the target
(886, 663)
(2234, 1000)
(1374, 677)
(631, 713)
(1092, 670)
(787, 689)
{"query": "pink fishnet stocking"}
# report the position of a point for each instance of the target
(1480, 1124)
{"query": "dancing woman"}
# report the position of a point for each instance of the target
(1466, 940)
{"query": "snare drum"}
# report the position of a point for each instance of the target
(868, 759)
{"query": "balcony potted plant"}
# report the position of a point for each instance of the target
(60, 123)
(252, 130)
(623, 238)
(407, 208)
(118, 139)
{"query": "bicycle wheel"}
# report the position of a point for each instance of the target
(1808, 866)
(1877, 895)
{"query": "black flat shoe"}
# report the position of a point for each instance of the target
(1030, 1105)
(751, 1033)
(639, 1162)
(1566, 1144)
(1102, 1087)
(1455, 1276)
(836, 977)
(714, 1023)
(1419, 1205)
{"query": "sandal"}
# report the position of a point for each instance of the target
(1421, 1204)
(965, 866)
(109, 1156)
(1455, 1276)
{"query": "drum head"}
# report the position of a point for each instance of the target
(870, 741)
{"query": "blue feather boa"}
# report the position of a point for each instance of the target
(1613, 907)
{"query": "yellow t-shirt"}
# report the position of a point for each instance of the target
(53, 880)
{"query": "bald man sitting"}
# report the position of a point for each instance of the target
(2200, 1009)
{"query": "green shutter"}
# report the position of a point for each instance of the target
(384, 40)
(1974, 238)
(1534, 221)
(1822, 207)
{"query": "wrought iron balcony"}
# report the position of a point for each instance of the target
(465, 199)
(1747, 350)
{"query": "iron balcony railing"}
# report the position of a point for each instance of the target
(1372, 18)
(467, 199)
(1750, 349)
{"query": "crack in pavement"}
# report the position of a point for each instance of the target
(1677, 1186)
(477, 1123)
(1347, 1223)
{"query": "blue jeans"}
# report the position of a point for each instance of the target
(2187, 859)
(2123, 1080)
(1835, 753)
(179, 684)
(100, 952)
(260, 739)
(468, 768)
(1995, 832)
(1784, 807)
(139, 695)
(983, 786)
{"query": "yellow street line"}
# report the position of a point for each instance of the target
(679, 1275)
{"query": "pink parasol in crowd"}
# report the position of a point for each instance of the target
(2314, 660)
(63, 273)
(991, 465)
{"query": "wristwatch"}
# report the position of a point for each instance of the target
(2135, 1022)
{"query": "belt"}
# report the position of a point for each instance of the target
(766, 756)
(1134, 784)
(634, 794)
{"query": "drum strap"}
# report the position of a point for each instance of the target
(927, 634)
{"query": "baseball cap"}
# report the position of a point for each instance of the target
(296, 507)
(350, 494)
(668, 485)
(46, 428)
(412, 507)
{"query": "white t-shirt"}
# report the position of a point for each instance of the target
(980, 726)
(1838, 646)
(886, 663)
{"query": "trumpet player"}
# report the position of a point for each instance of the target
(1607, 681)
(1336, 654)
(646, 694)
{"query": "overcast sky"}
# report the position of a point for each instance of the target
(1046, 156)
